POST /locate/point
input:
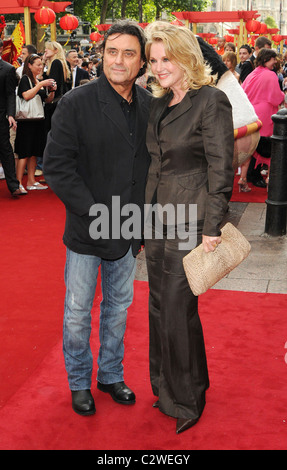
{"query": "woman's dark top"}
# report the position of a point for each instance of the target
(30, 135)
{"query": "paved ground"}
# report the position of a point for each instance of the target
(265, 269)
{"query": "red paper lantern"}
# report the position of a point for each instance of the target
(263, 28)
(69, 23)
(229, 38)
(252, 26)
(212, 41)
(95, 37)
(144, 25)
(277, 38)
(103, 27)
(45, 16)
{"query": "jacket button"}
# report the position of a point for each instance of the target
(133, 182)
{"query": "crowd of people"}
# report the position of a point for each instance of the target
(50, 75)
(150, 135)
(262, 73)
(77, 66)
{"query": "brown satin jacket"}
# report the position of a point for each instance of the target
(191, 155)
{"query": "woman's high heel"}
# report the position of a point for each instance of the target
(243, 186)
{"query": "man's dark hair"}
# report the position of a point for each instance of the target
(30, 48)
(264, 55)
(133, 29)
(247, 47)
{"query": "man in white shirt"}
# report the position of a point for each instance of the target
(78, 74)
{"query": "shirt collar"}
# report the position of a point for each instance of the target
(119, 97)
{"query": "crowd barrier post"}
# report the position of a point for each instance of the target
(276, 212)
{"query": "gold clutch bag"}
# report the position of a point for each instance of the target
(203, 270)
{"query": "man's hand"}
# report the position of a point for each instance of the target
(12, 123)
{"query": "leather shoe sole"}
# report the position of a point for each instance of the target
(183, 424)
(119, 392)
(83, 402)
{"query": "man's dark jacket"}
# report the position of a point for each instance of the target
(89, 158)
(8, 83)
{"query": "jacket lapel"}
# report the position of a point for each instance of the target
(142, 114)
(111, 108)
(182, 108)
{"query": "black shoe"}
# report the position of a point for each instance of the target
(83, 402)
(260, 183)
(119, 392)
(156, 404)
(183, 424)
(16, 193)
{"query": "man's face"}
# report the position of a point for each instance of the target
(24, 54)
(122, 59)
(73, 59)
(243, 55)
(220, 43)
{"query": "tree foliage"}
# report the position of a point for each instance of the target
(270, 21)
(143, 11)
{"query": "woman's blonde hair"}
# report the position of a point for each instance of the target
(181, 48)
(60, 54)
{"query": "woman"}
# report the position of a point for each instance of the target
(230, 60)
(58, 70)
(263, 91)
(30, 136)
(229, 47)
(191, 140)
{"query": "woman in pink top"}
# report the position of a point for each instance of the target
(263, 91)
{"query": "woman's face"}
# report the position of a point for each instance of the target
(228, 64)
(49, 53)
(169, 74)
(36, 68)
(243, 54)
(270, 64)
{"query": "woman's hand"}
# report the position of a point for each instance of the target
(49, 83)
(210, 243)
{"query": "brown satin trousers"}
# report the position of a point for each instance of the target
(178, 366)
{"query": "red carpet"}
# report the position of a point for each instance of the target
(255, 195)
(245, 336)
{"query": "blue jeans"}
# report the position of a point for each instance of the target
(117, 290)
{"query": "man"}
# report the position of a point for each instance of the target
(249, 63)
(220, 46)
(26, 50)
(8, 83)
(77, 72)
(245, 65)
(95, 153)
(260, 43)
